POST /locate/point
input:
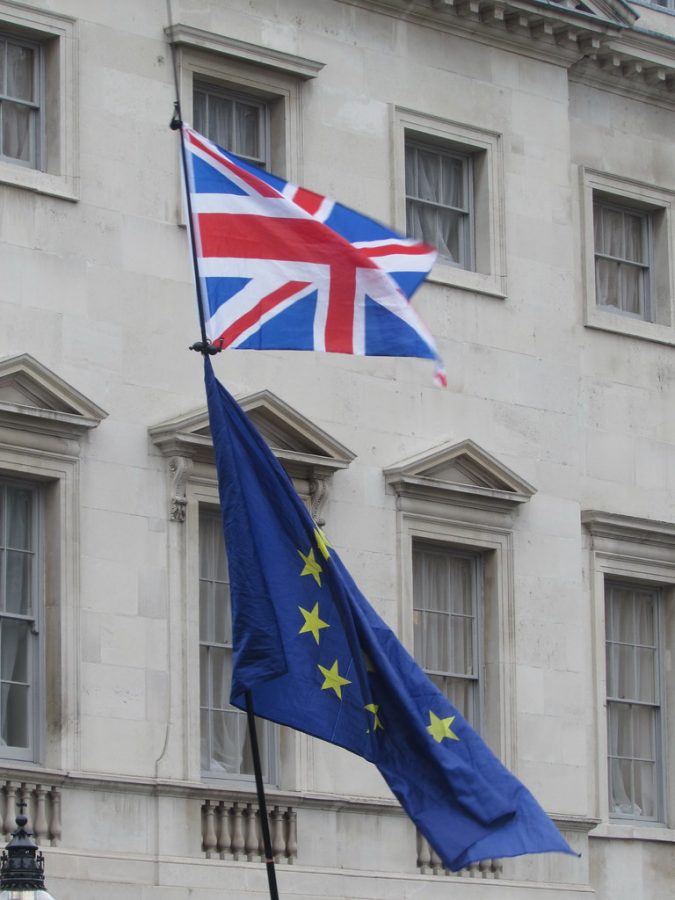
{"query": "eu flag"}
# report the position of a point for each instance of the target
(317, 657)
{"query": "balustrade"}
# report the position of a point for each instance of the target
(43, 809)
(231, 830)
(429, 863)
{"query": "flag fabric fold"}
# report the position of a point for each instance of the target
(316, 657)
(284, 268)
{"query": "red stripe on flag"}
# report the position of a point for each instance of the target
(262, 188)
(340, 316)
(308, 200)
(263, 306)
(397, 249)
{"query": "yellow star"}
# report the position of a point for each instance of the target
(322, 542)
(440, 728)
(333, 679)
(373, 708)
(313, 623)
(312, 567)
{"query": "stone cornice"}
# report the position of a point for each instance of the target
(601, 48)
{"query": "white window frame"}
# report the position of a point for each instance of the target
(641, 552)
(646, 265)
(37, 105)
(262, 159)
(657, 206)
(487, 274)
(55, 169)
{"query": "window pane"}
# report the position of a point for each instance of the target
(205, 611)
(631, 282)
(199, 111)
(14, 715)
(204, 699)
(19, 584)
(222, 616)
(449, 239)
(452, 183)
(248, 130)
(428, 175)
(219, 664)
(219, 125)
(3, 57)
(621, 786)
(646, 619)
(17, 131)
(634, 237)
(645, 787)
(19, 519)
(607, 291)
(462, 645)
(14, 651)
(646, 675)
(20, 68)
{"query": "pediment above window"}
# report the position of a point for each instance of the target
(310, 455)
(35, 399)
(461, 473)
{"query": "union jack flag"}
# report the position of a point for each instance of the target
(284, 268)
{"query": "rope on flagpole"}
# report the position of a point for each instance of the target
(203, 346)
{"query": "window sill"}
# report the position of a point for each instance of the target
(605, 320)
(40, 182)
(464, 280)
(634, 831)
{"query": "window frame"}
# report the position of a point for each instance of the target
(35, 667)
(37, 105)
(262, 161)
(657, 205)
(657, 705)
(485, 149)
(476, 560)
(646, 267)
(640, 553)
(56, 168)
(467, 249)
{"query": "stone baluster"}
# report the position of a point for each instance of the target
(40, 829)
(9, 823)
(277, 834)
(222, 830)
(251, 832)
(435, 862)
(238, 842)
(423, 853)
(291, 834)
(209, 840)
(496, 866)
(24, 795)
(55, 824)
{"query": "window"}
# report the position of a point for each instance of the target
(20, 626)
(622, 252)
(662, 4)
(633, 700)
(19, 100)
(439, 201)
(629, 246)
(225, 743)
(446, 594)
(633, 588)
(450, 194)
(38, 89)
(235, 122)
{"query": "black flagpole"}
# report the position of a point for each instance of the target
(262, 804)
(206, 348)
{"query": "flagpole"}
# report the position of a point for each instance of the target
(204, 346)
(262, 804)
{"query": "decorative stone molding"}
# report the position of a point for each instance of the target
(463, 474)
(34, 399)
(310, 455)
(43, 809)
(187, 35)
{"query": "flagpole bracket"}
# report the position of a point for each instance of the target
(206, 348)
(176, 122)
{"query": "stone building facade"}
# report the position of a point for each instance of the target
(517, 530)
